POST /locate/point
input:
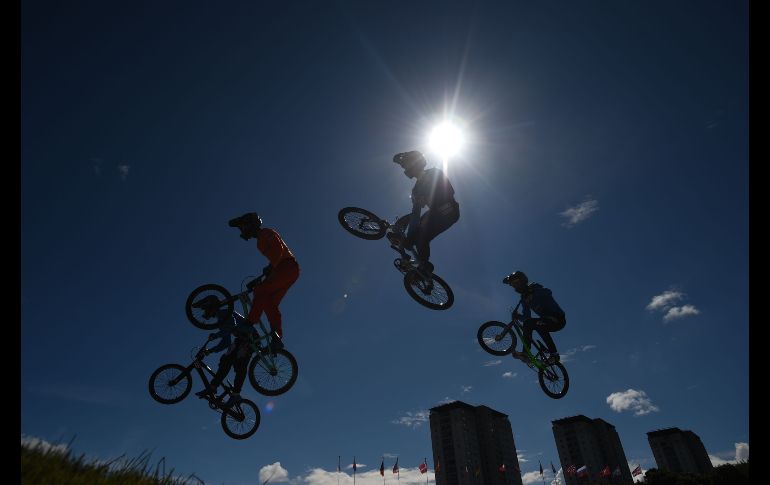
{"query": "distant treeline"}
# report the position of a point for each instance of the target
(727, 474)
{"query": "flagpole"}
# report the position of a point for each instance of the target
(425, 460)
(354, 469)
(339, 458)
(383, 470)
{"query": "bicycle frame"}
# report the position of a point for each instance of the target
(214, 402)
(519, 328)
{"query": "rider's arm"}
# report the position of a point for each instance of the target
(527, 313)
(414, 217)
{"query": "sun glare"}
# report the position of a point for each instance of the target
(446, 140)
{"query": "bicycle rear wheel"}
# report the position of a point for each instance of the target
(170, 383)
(554, 380)
(362, 223)
(435, 294)
(241, 420)
(272, 375)
(205, 304)
(496, 338)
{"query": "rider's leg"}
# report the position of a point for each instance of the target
(433, 223)
(545, 326)
(268, 295)
(225, 362)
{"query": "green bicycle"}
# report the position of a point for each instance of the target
(273, 369)
(498, 338)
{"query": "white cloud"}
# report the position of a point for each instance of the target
(531, 477)
(32, 442)
(664, 301)
(466, 389)
(413, 419)
(273, 473)
(741, 454)
(579, 212)
(567, 355)
(679, 312)
(123, 169)
(490, 363)
(631, 400)
(407, 476)
(510, 375)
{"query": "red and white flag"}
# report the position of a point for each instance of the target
(423, 468)
(637, 470)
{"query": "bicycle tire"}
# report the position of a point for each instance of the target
(496, 338)
(181, 388)
(196, 316)
(551, 375)
(249, 423)
(272, 381)
(441, 296)
(375, 226)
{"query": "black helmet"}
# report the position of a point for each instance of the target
(518, 280)
(248, 223)
(410, 161)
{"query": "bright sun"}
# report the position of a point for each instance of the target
(446, 140)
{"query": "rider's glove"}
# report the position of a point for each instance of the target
(266, 270)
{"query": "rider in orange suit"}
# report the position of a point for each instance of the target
(280, 274)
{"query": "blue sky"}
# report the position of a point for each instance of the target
(606, 156)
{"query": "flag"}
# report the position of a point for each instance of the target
(354, 464)
(637, 470)
(541, 466)
(502, 468)
(582, 471)
(395, 467)
(553, 469)
(617, 471)
(338, 463)
(423, 468)
(571, 470)
(606, 471)
(382, 467)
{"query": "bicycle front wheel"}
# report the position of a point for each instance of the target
(435, 294)
(205, 305)
(554, 380)
(496, 338)
(241, 420)
(272, 375)
(170, 383)
(362, 223)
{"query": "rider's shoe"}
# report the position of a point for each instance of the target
(234, 398)
(276, 343)
(426, 267)
(205, 392)
(522, 356)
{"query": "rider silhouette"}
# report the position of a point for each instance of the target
(237, 355)
(535, 296)
(432, 189)
(280, 274)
